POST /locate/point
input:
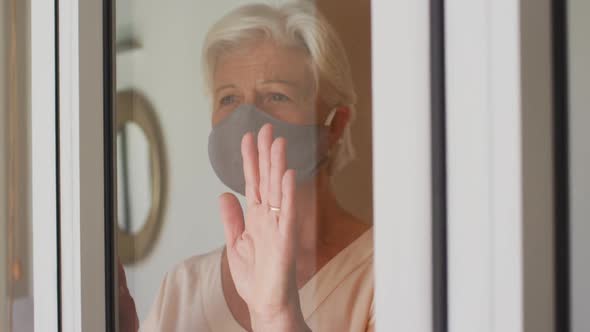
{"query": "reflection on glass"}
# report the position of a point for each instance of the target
(16, 279)
(290, 245)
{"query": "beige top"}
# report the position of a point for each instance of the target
(339, 297)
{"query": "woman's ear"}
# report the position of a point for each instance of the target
(339, 122)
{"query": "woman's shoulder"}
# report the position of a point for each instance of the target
(198, 267)
(181, 292)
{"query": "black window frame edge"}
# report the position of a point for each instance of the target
(561, 164)
(109, 165)
(57, 165)
(438, 166)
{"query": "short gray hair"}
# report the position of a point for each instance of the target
(299, 24)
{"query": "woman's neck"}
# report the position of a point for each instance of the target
(317, 208)
(324, 227)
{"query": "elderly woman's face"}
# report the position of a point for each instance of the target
(276, 79)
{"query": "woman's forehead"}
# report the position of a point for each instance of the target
(263, 63)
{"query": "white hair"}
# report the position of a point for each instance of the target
(296, 24)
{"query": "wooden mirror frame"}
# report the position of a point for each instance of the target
(133, 107)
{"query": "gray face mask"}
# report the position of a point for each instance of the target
(307, 145)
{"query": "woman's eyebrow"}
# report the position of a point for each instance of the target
(286, 82)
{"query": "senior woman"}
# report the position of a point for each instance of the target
(294, 259)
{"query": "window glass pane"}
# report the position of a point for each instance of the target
(192, 78)
(16, 255)
(579, 159)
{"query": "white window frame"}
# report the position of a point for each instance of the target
(499, 134)
(81, 165)
(43, 166)
(79, 106)
(402, 165)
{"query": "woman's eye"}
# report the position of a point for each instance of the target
(227, 100)
(278, 97)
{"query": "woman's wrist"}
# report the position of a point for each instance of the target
(289, 319)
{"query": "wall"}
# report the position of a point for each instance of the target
(579, 71)
(352, 20)
(167, 70)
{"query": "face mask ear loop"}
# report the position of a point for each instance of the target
(330, 117)
(328, 123)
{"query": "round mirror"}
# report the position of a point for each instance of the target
(141, 176)
(133, 178)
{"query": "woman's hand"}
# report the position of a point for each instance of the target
(261, 247)
(128, 321)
